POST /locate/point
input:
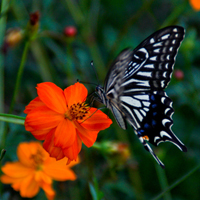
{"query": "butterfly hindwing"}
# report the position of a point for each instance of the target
(151, 117)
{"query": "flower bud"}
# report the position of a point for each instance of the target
(179, 74)
(70, 31)
(13, 37)
(34, 18)
(32, 26)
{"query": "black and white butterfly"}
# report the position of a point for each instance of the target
(134, 88)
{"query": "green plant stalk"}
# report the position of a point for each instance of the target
(12, 118)
(42, 60)
(130, 22)
(19, 75)
(3, 152)
(3, 19)
(69, 64)
(175, 14)
(163, 181)
(86, 33)
(177, 182)
(17, 84)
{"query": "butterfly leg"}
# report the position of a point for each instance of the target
(149, 149)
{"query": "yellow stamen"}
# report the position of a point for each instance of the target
(77, 111)
(38, 160)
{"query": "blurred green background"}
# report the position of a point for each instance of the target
(104, 28)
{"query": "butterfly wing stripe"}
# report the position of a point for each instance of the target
(161, 49)
(134, 87)
(149, 149)
(131, 101)
(130, 116)
(117, 70)
(118, 116)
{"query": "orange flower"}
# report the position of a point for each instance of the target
(195, 4)
(63, 120)
(35, 170)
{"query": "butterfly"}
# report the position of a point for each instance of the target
(134, 88)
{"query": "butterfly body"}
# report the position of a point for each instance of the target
(134, 88)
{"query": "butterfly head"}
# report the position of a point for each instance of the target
(101, 95)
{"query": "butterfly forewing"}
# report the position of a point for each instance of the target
(114, 79)
(153, 60)
(134, 88)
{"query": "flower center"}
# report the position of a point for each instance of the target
(77, 111)
(38, 160)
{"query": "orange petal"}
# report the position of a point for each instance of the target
(195, 4)
(25, 151)
(64, 173)
(52, 163)
(39, 134)
(41, 176)
(42, 118)
(50, 193)
(72, 152)
(48, 145)
(10, 180)
(65, 134)
(29, 187)
(16, 170)
(75, 94)
(52, 96)
(98, 121)
(17, 184)
(88, 137)
(33, 104)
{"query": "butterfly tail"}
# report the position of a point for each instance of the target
(149, 149)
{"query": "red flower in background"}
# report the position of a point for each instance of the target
(63, 120)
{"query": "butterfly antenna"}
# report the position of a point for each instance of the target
(92, 65)
(92, 114)
(84, 82)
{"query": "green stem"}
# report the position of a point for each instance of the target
(42, 60)
(69, 63)
(12, 118)
(175, 14)
(177, 182)
(3, 19)
(163, 181)
(129, 24)
(87, 35)
(3, 151)
(19, 75)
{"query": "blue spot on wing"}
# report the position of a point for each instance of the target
(146, 126)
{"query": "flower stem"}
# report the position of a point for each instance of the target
(3, 18)
(87, 35)
(19, 75)
(171, 19)
(177, 182)
(163, 181)
(12, 118)
(3, 152)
